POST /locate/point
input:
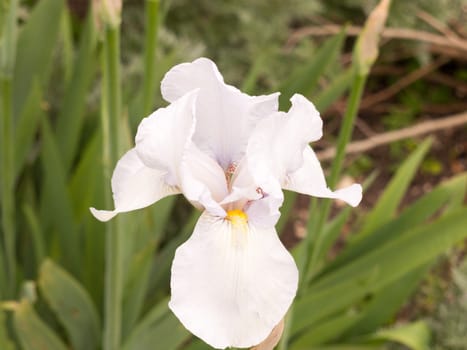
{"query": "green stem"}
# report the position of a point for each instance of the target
(111, 116)
(8, 199)
(284, 342)
(149, 83)
(7, 62)
(344, 138)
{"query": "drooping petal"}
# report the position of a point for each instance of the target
(225, 115)
(265, 212)
(134, 186)
(164, 136)
(309, 179)
(232, 283)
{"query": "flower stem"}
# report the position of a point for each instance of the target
(7, 61)
(284, 342)
(149, 83)
(344, 138)
(111, 116)
(7, 176)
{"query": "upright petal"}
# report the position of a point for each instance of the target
(203, 181)
(276, 145)
(232, 283)
(225, 115)
(163, 137)
(134, 186)
(309, 179)
(279, 156)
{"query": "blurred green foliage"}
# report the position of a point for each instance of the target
(346, 303)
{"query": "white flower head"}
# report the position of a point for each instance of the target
(230, 154)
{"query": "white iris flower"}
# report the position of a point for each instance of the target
(230, 154)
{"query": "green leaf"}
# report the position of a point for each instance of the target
(385, 304)
(71, 117)
(163, 261)
(305, 78)
(286, 209)
(56, 210)
(416, 335)
(136, 285)
(36, 233)
(314, 306)
(85, 177)
(333, 229)
(378, 268)
(5, 341)
(417, 213)
(158, 215)
(257, 65)
(72, 305)
(334, 90)
(36, 43)
(325, 331)
(66, 44)
(348, 347)
(32, 332)
(415, 246)
(197, 344)
(159, 327)
(395, 191)
(27, 125)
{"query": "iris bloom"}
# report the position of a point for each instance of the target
(230, 154)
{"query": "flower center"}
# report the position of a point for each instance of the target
(229, 173)
(237, 217)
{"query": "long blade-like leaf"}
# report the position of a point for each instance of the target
(32, 332)
(36, 43)
(378, 268)
(305, 78)
(70, 119)
(417, 213)
(395, 190)
(72, 305)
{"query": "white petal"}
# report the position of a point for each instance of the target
(276, 145)
(265, 212)
(225, 116)
(231, 285)
(134, 186)
(242, 186)
(203, 181)
(164, 136)
(309, 179)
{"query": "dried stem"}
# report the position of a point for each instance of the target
(378, 140)
(448, 44)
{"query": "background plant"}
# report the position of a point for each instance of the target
(64, 82)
